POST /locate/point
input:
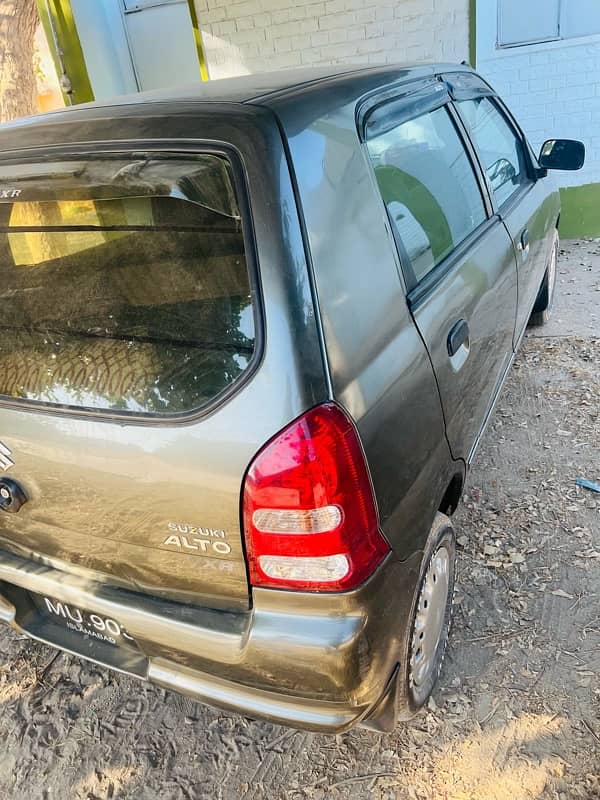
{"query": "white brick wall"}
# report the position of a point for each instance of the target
(553, 89)
(261, 35)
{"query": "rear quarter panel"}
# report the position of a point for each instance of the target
(379, 367)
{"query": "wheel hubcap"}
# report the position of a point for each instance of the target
(429, 620)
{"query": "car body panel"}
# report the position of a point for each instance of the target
(481, 289)
(535, 211)
(292, 652)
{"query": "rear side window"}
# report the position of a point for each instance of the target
(125, 286)
(429, 187)
(499, 147)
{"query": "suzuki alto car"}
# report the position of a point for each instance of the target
(252, 333)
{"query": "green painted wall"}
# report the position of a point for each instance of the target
(580, 214)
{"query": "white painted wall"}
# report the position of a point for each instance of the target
(553, 88)
(104, 44)
(262, 35)
(149, 49)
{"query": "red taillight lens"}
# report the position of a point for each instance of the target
(310, 517)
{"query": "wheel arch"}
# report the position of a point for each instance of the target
(452, 495)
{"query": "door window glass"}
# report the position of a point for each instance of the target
(500, 149)
(429, 187)
(136, 304)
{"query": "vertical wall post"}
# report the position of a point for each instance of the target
(57, 20)
(473, 33)
(198, 39)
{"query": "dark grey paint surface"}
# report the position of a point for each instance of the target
(481, 288)
(536, 212)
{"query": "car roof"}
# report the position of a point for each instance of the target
(243, 88)
(265, 86)
(296, 97)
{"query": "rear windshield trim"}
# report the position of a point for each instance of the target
(170, 149)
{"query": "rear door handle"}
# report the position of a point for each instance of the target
(458, 336)
(524, 245)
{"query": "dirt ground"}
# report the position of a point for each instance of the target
(517, 711)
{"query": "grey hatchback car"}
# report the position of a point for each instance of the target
(251, 337)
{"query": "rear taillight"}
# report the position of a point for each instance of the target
(310, 518)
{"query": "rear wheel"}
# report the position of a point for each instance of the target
(543, 304)
(432, 614)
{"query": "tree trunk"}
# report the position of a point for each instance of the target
(18, 22)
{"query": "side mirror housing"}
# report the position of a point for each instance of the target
(562, 154)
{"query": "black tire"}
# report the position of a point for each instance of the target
(543, 304)
(417, 692)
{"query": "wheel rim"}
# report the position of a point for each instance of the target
(430, 617)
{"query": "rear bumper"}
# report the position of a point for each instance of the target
(296, 712)
(323, 663)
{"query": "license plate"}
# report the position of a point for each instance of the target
(87, 623)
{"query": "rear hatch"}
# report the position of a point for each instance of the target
(129, 320)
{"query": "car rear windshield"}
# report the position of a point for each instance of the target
(124, 282)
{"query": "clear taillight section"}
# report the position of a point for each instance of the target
(310, 517)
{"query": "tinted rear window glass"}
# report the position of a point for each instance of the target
(138, 303)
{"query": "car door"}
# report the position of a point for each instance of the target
(518, 197)
(456, 255)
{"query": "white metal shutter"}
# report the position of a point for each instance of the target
(522, 22)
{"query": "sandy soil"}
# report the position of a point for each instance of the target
(517, 711)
